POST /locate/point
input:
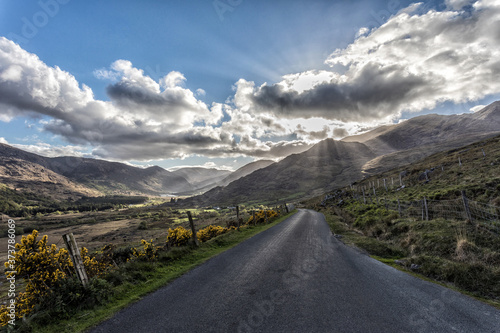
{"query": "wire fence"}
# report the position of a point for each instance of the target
(455, 209)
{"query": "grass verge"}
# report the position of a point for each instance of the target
(137, 279)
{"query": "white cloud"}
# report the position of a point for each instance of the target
(47, 150)
(104, 74)
(411, 63)
(172, 80)
(362, 31)
(477, 108)
(458, 4)
(207, 165)
(414, 61)
(200, 92)
(144, 120)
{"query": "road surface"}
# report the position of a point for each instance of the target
(297, 277)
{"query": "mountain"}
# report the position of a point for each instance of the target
(201, 179)
(84, 176)
(337, 163)
(204, 179)
(197, 175)
(245, 171)
(32, 177)
(327, 164)
(422, 136)
(319, 167)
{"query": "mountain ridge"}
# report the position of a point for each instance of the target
(328, 163)
(380, 150)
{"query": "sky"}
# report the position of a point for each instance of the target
(221, 83)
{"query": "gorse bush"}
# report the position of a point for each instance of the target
(45, 268)
(212, 231)
(96, 267)
(149, 251)
(260, 216)
(179, 236)
(71, 296)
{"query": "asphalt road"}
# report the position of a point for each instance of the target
(297, 277)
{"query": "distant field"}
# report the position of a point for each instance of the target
(122, 227)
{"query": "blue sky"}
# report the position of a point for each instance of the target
(238, 54)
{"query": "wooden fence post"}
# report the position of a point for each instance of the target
(375, 194)
(193, 229)
(74, 253)
(426, 209)
(238, 216)
(466, 206)
(364, 198)
(265, 216)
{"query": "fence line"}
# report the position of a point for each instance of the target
(426, 209)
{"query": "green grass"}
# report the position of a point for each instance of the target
(170, 266)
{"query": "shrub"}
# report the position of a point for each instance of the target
(42, 265)
(70, 296)
(48, 271)
(178, 236)
(260, 216)
(149, 251)
(117, 255)
(93, 266)
(210, 232)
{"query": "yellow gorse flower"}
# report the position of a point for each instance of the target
(43, 266)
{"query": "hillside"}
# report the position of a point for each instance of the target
(337, 163)
(473, 168)
(201, 179)
(318, 168)
(77, 177)
(245, 171)
(326, 165)
(206, 179)
(32, 177)
(432, 129)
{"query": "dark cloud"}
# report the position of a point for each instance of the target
(340, 132)
(374, 93)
